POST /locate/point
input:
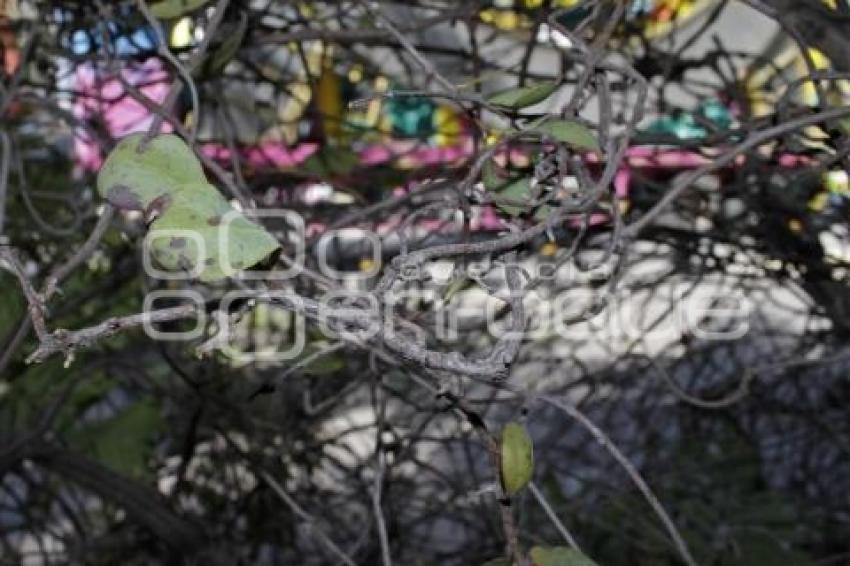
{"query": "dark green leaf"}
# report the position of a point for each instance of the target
(569, 132)
(514, 190)
(523, 96)
(490, 176)
(228, 48)
(543, 212)
(331, 162)
(326, 364)
(168, 9)
(12, 303)
(124, 442)
(514, 195)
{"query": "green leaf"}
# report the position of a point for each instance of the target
(327, 364)
(331, 162)
(543, 212)
(517, 457)
(168, 9)
(124, 442)
(514, 189)
(12, 304)
(166, 179)
(516, 192)
(231, 242)
(523, 96)
(22, 398)
(228, 48)
(559, 556)
(568, 132)
(490, 177)
(132, 179)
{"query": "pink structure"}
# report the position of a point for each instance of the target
(103, 97)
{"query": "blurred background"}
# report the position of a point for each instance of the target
(706, 338)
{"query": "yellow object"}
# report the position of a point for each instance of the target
(447, 125)
(783, 56)
(329, 101)
(795, 225)
(506, 20)
(355, 74)
(808, 92)
(373, 118)
(181, 33)
(306, 10)
(549, 249)
(366, 265)
(837, 182)
(818, 202)
(291, 109)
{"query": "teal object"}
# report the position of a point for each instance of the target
(572, 17)
(411, 116)
(716, 113)
(685, 127)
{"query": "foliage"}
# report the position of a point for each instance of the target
(195, 229)
(576, 206)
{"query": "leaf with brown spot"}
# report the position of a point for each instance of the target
(166, 180)
(133, 179)
(232, 244)
(122, 196)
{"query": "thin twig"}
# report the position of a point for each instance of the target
(306, 517)
(630, 470)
